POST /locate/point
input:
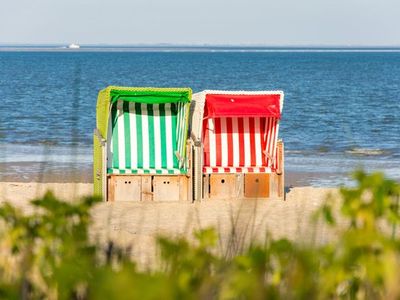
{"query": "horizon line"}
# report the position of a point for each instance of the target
(203, 45)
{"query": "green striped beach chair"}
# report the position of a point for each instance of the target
(140, 144)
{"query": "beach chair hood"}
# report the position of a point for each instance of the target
(150, 95)
(228, 105)
(216, 104)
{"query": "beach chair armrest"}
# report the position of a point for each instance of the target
(196, 141)
(270, 158)
(182, 160)
(178, 156)
(102, 140)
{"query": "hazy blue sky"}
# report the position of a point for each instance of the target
(279, 22)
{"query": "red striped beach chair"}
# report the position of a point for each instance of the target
(141, 150)
(237, 151)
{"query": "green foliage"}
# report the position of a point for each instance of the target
(363, 262)
(48, 255)
(49, 250)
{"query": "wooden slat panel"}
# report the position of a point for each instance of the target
(206, 186)
(239, 193)
(166, 188)
(124, 188)
(273, 185)
(257, 185)
(110, 189)
(281, 169)
(184, 193)
(147, 193)
(222, 186)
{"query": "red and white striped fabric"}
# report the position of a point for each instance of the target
(210, 170)
(240, 144)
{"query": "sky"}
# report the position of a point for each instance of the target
(235, 22)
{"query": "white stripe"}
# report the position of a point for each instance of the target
(145, 137)
(177, 129)
(121, 135)
(184, 131)
(169, 141)
(211, 139)
(247, 150)
(268, 140)
(224, 143)
(265, 133)
(132, 127)
(109, 139)
(235, 138)
(272, 139)
(181, 132)
(276, 141)
(257, 137)
(177, 105)
(157, 136)
(178, 126)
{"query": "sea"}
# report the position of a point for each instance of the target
(341, 107)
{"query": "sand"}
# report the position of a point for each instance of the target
(237, 222)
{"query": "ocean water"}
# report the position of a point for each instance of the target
(341, 108)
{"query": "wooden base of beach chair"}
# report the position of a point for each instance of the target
(148, 188)
(277, 185)
(124, 188)
(263, 186)
(257, 185)
(171, 188)
(243, 186)
(222, 186)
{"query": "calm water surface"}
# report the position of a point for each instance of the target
(341, 110)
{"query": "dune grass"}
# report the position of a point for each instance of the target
(49, 255)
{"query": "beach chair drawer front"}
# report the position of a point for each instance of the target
(146, 145)
(241, 140)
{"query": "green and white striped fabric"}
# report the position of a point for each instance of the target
(147, 138)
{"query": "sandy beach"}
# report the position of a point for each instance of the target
(137, 224)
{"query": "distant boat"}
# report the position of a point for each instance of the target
(73, 46)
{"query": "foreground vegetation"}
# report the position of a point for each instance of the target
(48, 255)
